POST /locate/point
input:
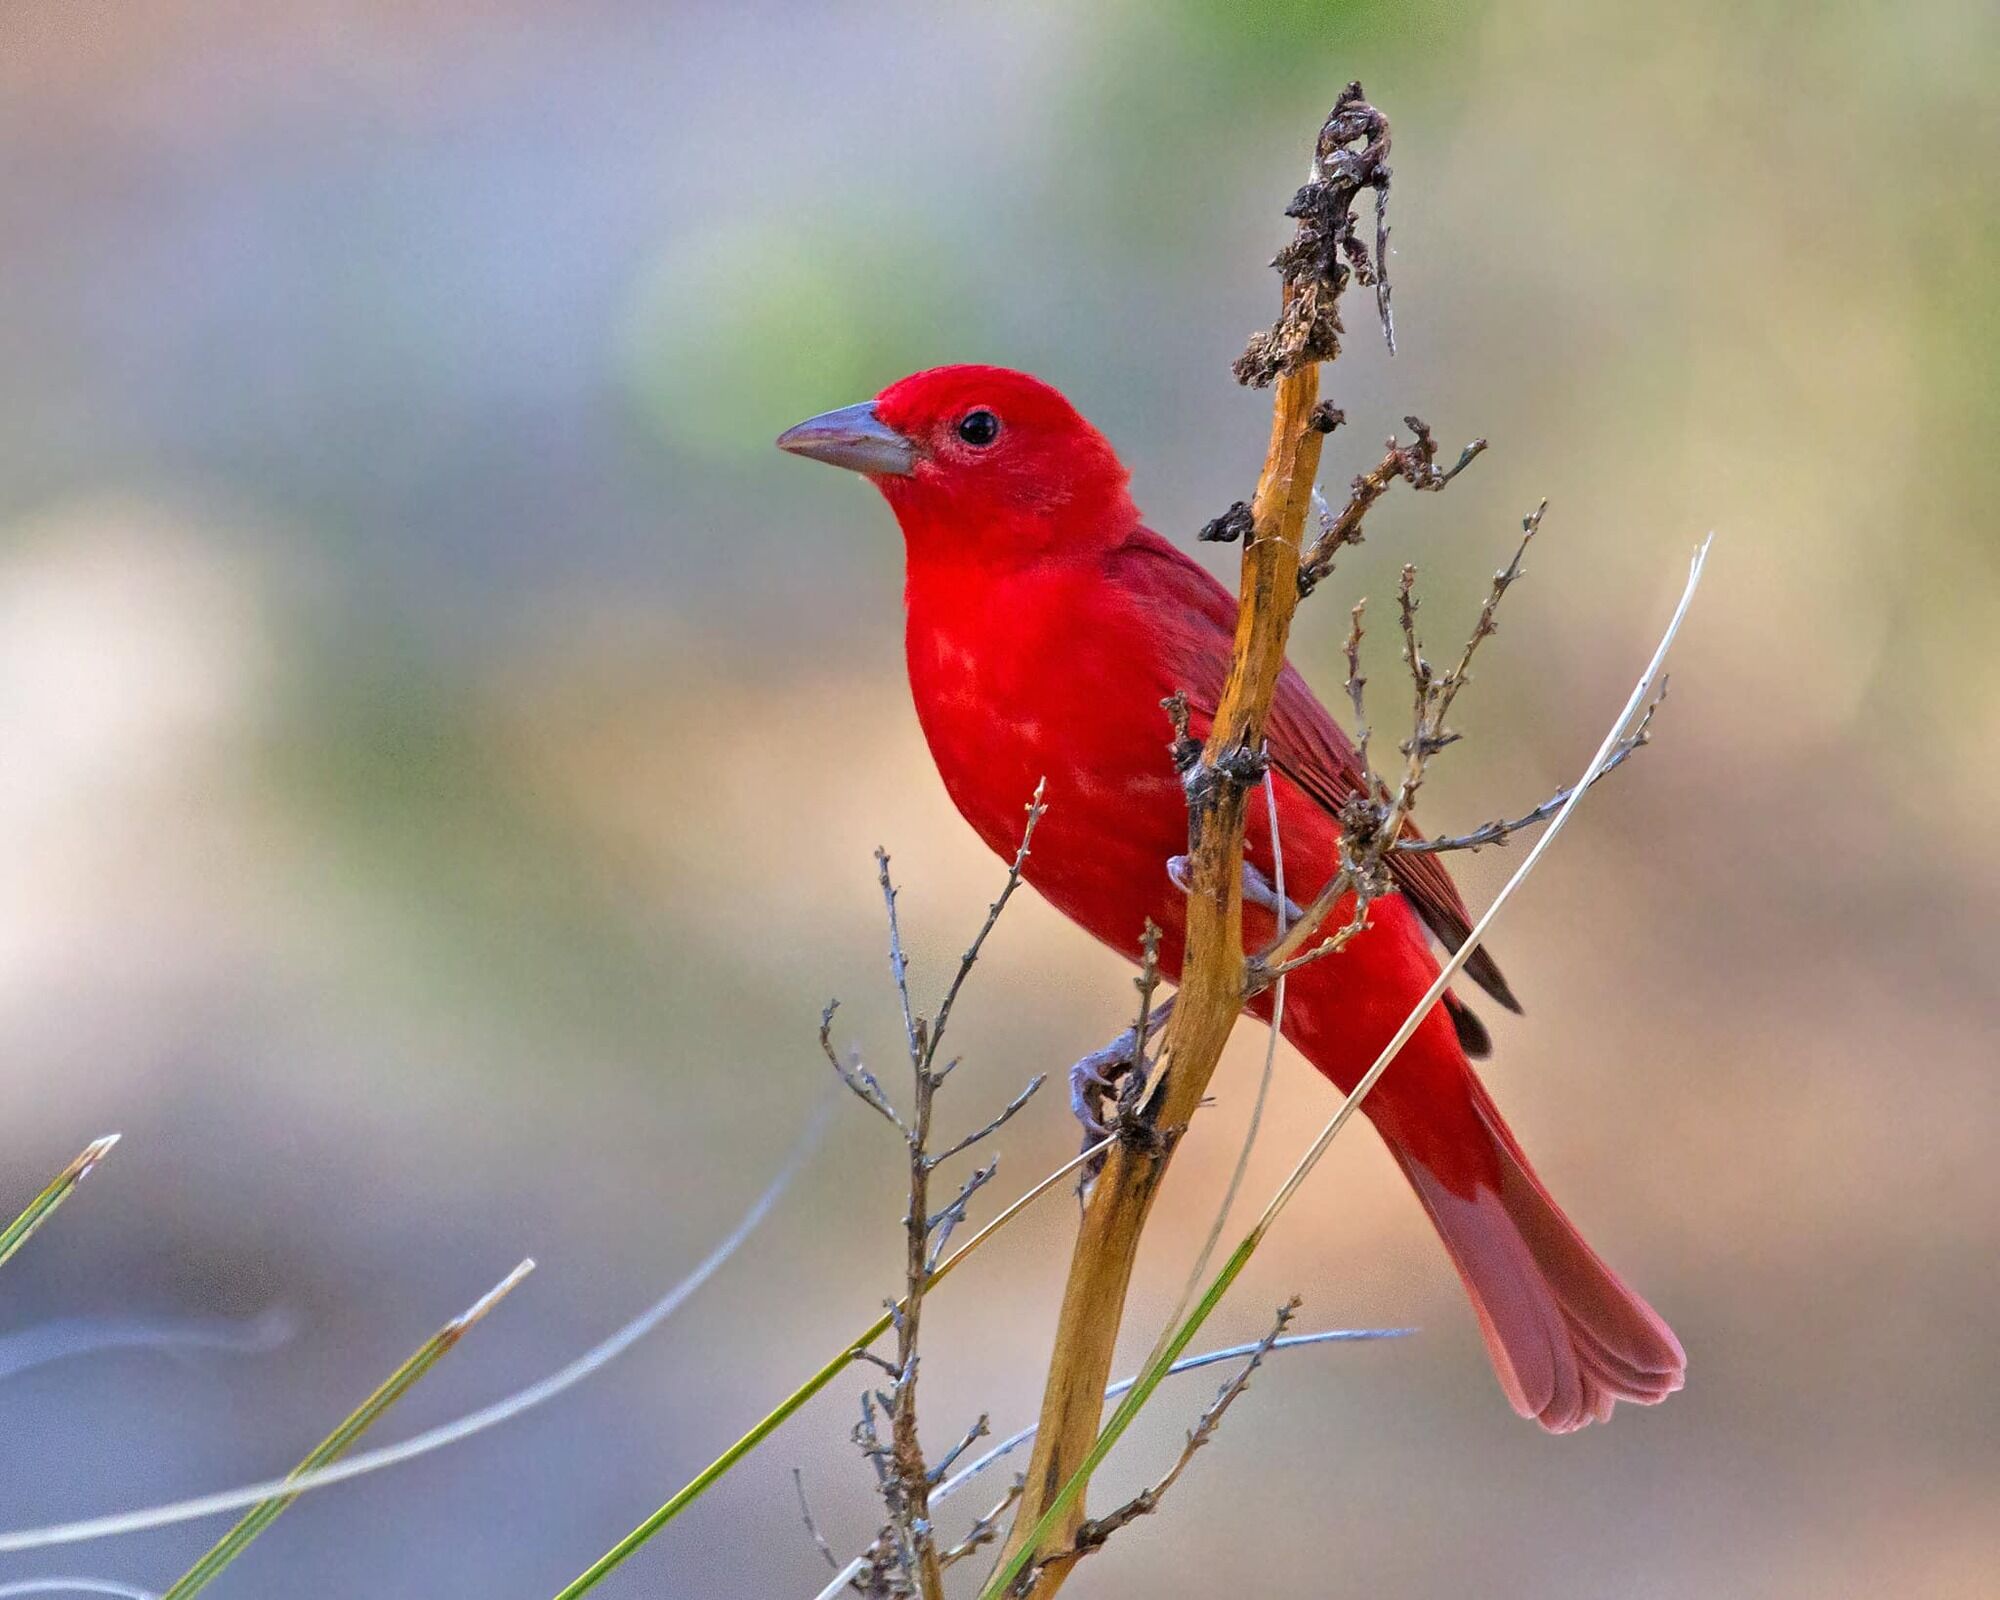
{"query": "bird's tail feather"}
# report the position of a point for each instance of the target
(1566, 1336)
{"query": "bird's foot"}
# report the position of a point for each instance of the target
(1096, 1079)
(1107, 1091)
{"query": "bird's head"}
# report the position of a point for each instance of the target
(978, 463)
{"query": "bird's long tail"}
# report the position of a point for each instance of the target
(1566, 1336)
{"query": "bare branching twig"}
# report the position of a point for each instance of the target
(1414, 463)
(1036, 811)
(985, 1527)
(1502, 829)
(1007, 1114)
(906, 1559)
(855, 1075)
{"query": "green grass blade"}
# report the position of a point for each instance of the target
(702, 1481)
(260, 1516)
(44, 1204)
(769, 1423)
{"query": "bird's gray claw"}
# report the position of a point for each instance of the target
(1257, 889)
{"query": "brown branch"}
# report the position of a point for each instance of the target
(1326, 252)
(1315, 267)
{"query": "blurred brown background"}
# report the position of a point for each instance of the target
(443, 745)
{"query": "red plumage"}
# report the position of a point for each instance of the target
(1045, 626)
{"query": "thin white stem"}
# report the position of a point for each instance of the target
(843, 1578)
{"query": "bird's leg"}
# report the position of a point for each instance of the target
(1257, 889)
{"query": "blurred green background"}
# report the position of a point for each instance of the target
(443, 744)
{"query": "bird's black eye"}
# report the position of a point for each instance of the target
(979, 428)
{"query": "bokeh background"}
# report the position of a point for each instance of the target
(443, 745)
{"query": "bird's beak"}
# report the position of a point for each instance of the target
(855, 438)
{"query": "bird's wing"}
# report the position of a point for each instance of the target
(1304, 743)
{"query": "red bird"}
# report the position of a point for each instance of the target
(1046, 623)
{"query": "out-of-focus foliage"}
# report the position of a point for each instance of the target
(443, 743)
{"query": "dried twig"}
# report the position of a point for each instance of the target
(1414, 463)
(1036, 811)
(856, 1076)
(905, 1558)
(1502, 829)
(1326, 250)
(905, 1478)
(1372, 822)
(979, 1430)
(1007, 1113)
(865, 1569)
(952, 1215)
(985, 1527)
